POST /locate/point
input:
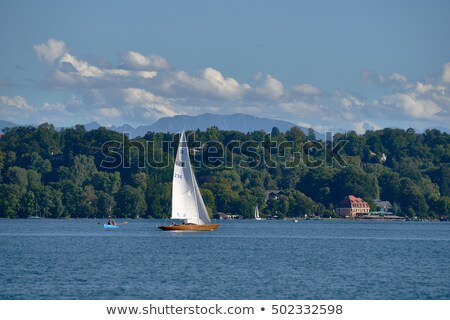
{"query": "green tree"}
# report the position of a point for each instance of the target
(441, 206)
(88, 202)
(210, 200)
(275, 132)
(34, 180)
(131, 202)
(10, 195)
(441, 176)
(317, 184)
(71, 194)
(83, 169)
(39, 164)
(105, 203)
(390, 186)
(355, 144)
(353, 180)
(106, 181)
(17, 175)
(159, 198)
(297, 136)
(27, 205)
(50, 202)
(311, 135)
(140, 180)
(412, 199)
(301, 205)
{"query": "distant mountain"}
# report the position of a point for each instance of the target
(92, 126)
(238, 121)
(127, 129)
(7, 124)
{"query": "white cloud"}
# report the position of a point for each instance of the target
(16, 102)
(303, 109)
(154, 105)
(139, 96)
(372, 77)
(59, 107)
(142, 88)
(398, 78)
(119, 72)
(71, 72)
(258, 76)
(350, 101)
(136, 61)
(208, 83)
(50, 51)
(71, 65)
(395, 79)
(307, 90)
(130, 74)
(446, 73)
(146, 74)
(361, 126)
(17, 109)
(109, 112)
(429, 88)
(271, 88)
(422, 88)
(412, 107)
(304, 124)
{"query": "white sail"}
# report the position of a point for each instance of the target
(187, 201)
(257, 213)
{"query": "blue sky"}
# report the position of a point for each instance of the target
(350, 65)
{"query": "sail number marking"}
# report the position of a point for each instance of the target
(178, 176)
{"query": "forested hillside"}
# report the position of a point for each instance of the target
(84, 174)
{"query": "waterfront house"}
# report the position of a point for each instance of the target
(351, 207)
(383, 206)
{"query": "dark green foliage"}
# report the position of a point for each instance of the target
(131, 202)
(65, 172)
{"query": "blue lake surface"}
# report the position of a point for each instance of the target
(77, 259)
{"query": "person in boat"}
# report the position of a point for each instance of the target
(111, 222)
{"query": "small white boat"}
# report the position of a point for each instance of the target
(37, 214)
(256, 214)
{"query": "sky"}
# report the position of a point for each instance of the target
(331, 65)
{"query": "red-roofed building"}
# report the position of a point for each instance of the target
(352, 206)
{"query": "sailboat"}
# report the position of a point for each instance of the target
(187, 201)
(257, 217)
(37, 214)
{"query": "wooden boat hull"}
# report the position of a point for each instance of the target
(107, 226)
(190, 227)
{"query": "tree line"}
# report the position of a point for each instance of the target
(63, 174)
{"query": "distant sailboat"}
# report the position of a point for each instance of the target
(187, 201)
(257, 217)
(37, 214)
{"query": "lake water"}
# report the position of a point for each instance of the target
(77, 259)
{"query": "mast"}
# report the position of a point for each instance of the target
(193, 182)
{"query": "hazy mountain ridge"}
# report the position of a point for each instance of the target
(238, 121)
(7, 124)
